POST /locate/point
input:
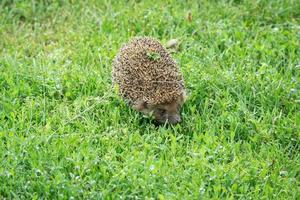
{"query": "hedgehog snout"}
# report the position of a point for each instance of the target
(166, 117)
(170, 120)
(174, 119)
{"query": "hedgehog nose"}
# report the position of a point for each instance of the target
(178, 119)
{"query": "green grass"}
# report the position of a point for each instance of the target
(64, 134)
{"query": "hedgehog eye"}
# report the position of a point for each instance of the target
(161, 111)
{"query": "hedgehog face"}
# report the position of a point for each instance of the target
(163, 113)
(167, 113)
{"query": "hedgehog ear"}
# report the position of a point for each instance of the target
(140, 105)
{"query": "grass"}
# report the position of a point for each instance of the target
(64, 134)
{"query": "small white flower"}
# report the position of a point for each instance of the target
(152, 167)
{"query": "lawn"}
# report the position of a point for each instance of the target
(65, 133)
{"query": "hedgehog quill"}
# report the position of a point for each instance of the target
(149, 79)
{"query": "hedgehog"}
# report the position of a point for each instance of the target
(149, 79)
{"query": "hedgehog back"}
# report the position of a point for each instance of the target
(144, 70)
